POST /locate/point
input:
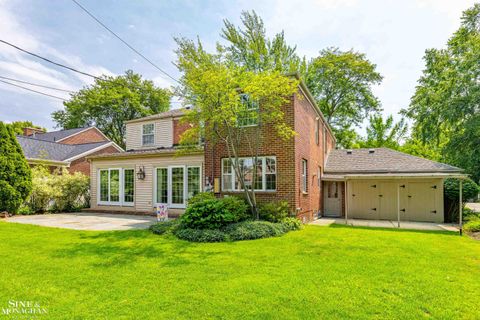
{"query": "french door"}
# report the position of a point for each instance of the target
(116, 186)
(175, 184)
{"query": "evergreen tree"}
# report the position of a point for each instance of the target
(15, 174)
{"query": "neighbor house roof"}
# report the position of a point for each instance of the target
(381, 160)
(55, 136)
(37, 149)
(167, 114)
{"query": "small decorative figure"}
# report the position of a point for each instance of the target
(162, 212)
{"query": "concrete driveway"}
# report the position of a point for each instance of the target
(87, 221)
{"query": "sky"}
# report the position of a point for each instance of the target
(393, 34)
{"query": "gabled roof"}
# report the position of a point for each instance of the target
(162, 115)
(381, 160)
(34, 148)
(54, 136)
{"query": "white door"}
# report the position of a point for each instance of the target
(333, 199)
(176, 182)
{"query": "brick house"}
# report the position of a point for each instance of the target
(65, 148)
(306, 171)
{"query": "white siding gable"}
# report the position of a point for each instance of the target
(163, 134)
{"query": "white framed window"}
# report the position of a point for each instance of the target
(249, 114)
(264, 178)
(116, 186)
(304, 176)
(148, 134)
(174, 185)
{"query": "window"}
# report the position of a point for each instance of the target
(317, 131)
(319, 176)
(262, 177)
(129, 187)
(176, 184)
(148, 136)
(304, 176)
(325, 139)
(333, 189)
(194, 180)
(162, 185)
(249, 114)
(116, 186)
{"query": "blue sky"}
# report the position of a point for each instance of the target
(393, 35)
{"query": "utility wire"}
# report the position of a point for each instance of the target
(48, 60)
(45, 94)
(36, 84)
(124, 42)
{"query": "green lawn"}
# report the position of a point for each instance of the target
(319, 272)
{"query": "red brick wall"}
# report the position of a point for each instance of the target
(301, 116)
(30, 131)
(88, 136)
(82, 165)
(179, 128)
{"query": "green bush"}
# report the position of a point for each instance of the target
(469, 189)
(472, 226)
(214, 213)
(274, 211)
(200, 197)
(249, 230)
(201, 235)
(291, 224)
(15, 174)
(469, 214)
(164, 226)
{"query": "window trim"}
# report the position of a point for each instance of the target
(249, 108)
(148, 134)
(317, 132)
(264, 175)
(121, 188)
(304, 176)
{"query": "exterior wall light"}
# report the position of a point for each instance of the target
(141, 173)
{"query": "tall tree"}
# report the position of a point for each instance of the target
(384, 133)
(15, 174)
(231, 106)
(18, 126)
(446, 104)
(249, 46)
(341, 83)
(111, 101)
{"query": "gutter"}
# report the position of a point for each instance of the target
(48, 162)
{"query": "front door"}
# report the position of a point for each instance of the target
(333, 198)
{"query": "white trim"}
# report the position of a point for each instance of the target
(47, 162)
(264, 175)
(152, 134)
(121, 187)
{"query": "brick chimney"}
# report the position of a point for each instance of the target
(30, 132)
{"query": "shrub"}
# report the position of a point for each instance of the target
(274, 211)
(44, 189)
(15, 174)
(451, 191)
(74, 191)
(200, 197)
(472, 226)
(249, 230)
(214, 213)
(469, 214)
(164, 226)
(201, 235)
(291, 224)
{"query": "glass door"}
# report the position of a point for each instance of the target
(177, 183)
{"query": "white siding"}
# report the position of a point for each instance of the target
(143, 188)
(163, 134)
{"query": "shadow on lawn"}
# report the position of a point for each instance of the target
(119, 248)
(443, 232)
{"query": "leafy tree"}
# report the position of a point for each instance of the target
(445, 106)
(386, 133)
(223, 95)
(341, 83)
(451, 189)
(15, 174)
(18, 126)
(111, 101)
(249, 47)
(417, 147)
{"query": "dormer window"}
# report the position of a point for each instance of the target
(249, 114)
(148, 136)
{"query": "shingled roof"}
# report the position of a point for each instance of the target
(381, 160)
(34, 148)
(54, 136)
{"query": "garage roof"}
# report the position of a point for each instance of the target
(381, 160)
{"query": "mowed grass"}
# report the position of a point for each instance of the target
(319, 272)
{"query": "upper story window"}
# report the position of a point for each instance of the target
(148, 134)
(249, 114)
(317, 131)
(304, 176)
(265, 175)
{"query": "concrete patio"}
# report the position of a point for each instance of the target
(87, 221)
(388, 224)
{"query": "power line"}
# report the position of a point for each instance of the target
(36, 85)
(48, 60)
(45, 94)
(124, 42)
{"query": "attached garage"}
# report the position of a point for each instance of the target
(384, 184)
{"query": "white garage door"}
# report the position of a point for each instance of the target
(420, 200)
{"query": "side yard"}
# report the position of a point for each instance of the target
(318, 272)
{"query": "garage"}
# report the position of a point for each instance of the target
(384, 184)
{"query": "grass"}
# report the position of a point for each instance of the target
(319, 272)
